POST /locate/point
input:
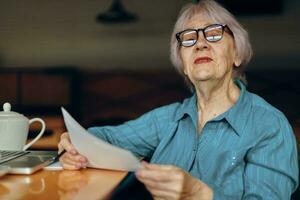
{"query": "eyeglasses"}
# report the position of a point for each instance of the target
(212, 33)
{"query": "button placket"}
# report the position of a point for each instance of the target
(198, 145)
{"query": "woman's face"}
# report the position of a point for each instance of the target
(205, 60)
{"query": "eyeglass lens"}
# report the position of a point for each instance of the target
(212, 33)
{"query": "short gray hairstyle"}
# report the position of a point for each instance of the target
(218, 14)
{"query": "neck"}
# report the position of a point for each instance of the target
(215, 98)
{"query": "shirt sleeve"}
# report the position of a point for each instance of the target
(140, 136)
(272, 165)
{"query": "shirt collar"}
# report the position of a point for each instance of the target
(188, 107)
(236, 116)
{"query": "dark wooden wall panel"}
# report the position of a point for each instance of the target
(126, 95)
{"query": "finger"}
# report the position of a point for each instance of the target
(77, 158)
(65, 135)
(166, 186)
(154, 175)
(66, 144)
(70, 161)
(69, 167)
(66, 161)
(161, 194)
(69, 164)
(157, 166)
(60, 148)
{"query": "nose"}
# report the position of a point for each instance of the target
(201, 43)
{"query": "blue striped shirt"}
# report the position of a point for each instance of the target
(248, 152)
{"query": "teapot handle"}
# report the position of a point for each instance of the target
(40, 133)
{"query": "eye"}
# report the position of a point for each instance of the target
(213, 33)
(188, 43)
(188, 35)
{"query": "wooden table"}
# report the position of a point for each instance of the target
(64, 185)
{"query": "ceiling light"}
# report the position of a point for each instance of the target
(116, 14)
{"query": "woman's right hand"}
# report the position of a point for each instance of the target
(71, 159)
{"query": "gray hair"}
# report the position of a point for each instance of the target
(215, 12)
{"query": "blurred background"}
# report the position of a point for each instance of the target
(66, 33)
(109, 67)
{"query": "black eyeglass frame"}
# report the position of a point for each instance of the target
(177, 35)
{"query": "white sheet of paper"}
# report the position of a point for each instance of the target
(99, 153)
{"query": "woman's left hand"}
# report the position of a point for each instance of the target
(170, 183)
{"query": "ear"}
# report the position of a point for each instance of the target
(184, 70)
(237, 61)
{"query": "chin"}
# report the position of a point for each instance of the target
(203, 76)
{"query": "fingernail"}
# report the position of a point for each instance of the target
(82, 160)
(137, 173)
(144, 162)
(78, 165)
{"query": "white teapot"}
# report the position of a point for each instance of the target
(14, 129)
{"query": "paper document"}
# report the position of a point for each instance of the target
(99, 153)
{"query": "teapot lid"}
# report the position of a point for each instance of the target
(7, 113)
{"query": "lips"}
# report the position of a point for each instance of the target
(201, 60)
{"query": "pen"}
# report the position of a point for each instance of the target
(59, 155)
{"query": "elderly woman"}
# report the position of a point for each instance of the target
(223, 142)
